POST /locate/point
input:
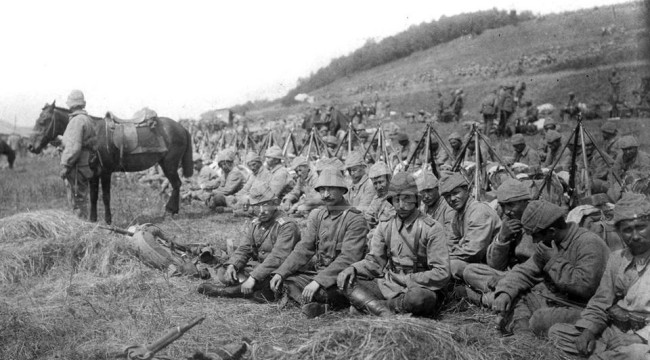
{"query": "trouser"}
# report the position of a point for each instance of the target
(503, 122)
(488, 121)
(479, 275)
(531, 312)
(564, 338)
(295, 284)
(414, 300)
(78, 192)
(457, 267)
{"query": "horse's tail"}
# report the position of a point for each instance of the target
(188, 164)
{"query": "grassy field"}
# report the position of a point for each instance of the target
(71, 290)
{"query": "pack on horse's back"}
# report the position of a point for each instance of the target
(137, 135)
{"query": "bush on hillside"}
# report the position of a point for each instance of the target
(416, 38)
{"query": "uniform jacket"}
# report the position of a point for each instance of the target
(378, 210)
(337, 238)
(626, 283)
(639, 165)
(267, 243)
(301, 187)
(255, 180)
(528, 157)
(79, 139)
(573, 273)
(505, 255)
(440, 212)
(489, 104)
(231, 183)
(472, 231)
(393, 250)
(360, 195)
(280, 181)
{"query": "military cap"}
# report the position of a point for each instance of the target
(512, 190)
(226, 155)
(378, 169)
(362, 133)
(299, 161)
(252, 156)
(401, 137)
(197, 157)
(539, 215)
(550, 121)
(551, 136)
(207, 159)
(331, 140)
(454, 136)
(421, 112)
(571, 93)
(261, 193)
(354, 159)
(426, 181)
(451, 181)
(402, 183)
(628, 141)
(517, 139)
(274, 152)
(76, 98)
(609, 127)
(330, 177)
(335, 163)
(631, 206)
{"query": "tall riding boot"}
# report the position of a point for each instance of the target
(233, 291)
(364, 300)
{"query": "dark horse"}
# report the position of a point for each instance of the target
(5, 149)
(53, 122)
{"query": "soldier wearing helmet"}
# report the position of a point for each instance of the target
(407, 267)
(79, 143)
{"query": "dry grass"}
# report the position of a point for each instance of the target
(71, 290)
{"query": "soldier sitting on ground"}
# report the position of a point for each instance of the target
(473, 227)
(270, 239)
(510, 247)
(229, 184)
(432, 203)
(523, 153)
(303, 197)
(564, 270)
(614, 325)
(408, 264)
(336, 235)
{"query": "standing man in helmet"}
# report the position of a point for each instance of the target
(79, 141)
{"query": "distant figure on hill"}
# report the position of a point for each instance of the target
(457, 104)
(519, 94)
(506, 105)
(489, 111)
(571, 107)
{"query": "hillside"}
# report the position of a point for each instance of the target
(553, 54)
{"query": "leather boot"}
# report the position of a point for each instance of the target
(364, 300)
(314, 309)
(233, 291)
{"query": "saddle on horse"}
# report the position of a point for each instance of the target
(137, 135)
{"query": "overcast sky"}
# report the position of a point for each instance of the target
(183, 58)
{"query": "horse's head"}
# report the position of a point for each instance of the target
(50, 124)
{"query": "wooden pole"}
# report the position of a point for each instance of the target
(585, 161)
(477, 168)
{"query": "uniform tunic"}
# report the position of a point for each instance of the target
(336, 237)
(527, 156)
(430, 254)
(360, 195)
(301, 187)
(266, 246)
(280, 181)
(626, 283)
(472, 231)
(440, 212)
(230, 184)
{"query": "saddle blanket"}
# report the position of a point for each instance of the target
(133, 139)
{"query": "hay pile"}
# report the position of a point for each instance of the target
(32, 243)
(383, 339)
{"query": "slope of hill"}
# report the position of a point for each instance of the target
(554, 54)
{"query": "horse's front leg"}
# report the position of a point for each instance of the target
(94, 195)
(173, 204)
(106, 197)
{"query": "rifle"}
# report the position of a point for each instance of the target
(147, 352)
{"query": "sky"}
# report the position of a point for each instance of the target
(182, 58)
